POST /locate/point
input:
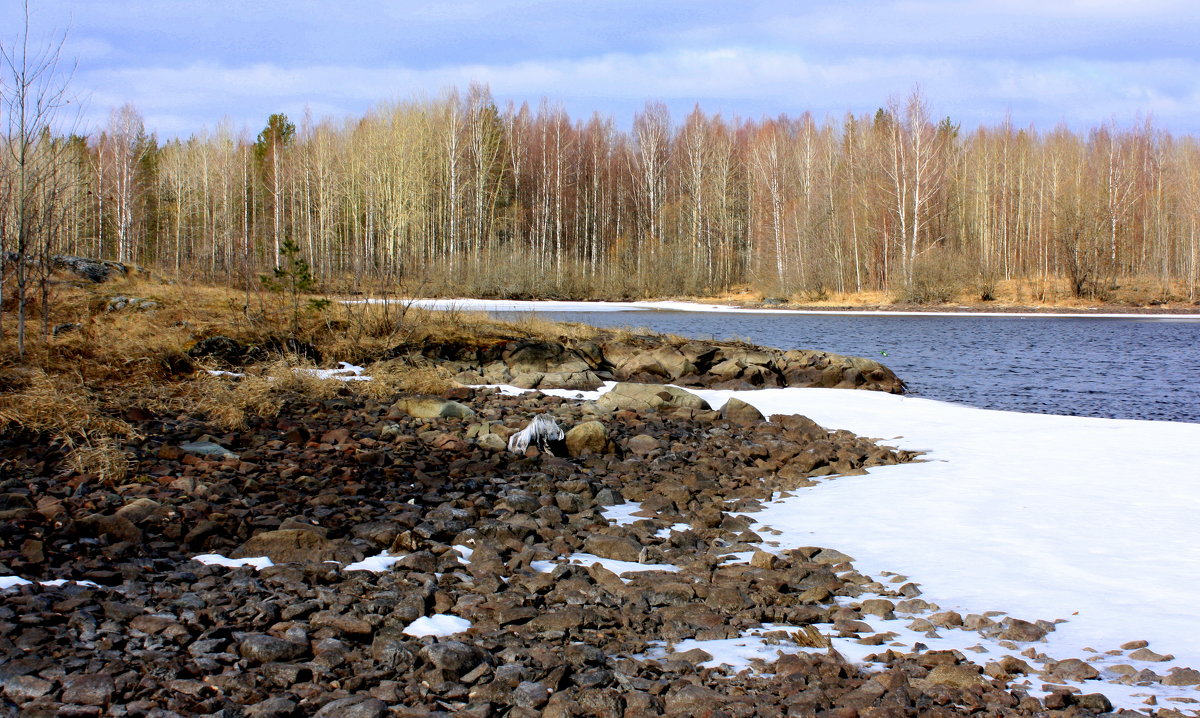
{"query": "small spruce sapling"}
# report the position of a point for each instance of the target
(293, 276)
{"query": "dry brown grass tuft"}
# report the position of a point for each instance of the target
(392, 378)
(57, 405)
(260, 391)
(64, 409)
(101, 456)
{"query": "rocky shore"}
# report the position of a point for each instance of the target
(485, 589)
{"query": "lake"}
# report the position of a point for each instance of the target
(1136, 367)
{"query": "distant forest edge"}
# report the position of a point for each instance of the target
(457, 195)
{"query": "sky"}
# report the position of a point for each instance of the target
(188, 64)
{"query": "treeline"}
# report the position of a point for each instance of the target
(459, 195)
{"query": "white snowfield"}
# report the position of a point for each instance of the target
(1093, 521)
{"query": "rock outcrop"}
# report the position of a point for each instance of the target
(584, 365)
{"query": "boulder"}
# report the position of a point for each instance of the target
(590, 437)
(616, 547)
(432, 408)
(289, 546)
(739, 412)
(544, 357)
(93, 270)
(643, 397)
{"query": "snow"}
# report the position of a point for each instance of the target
(7, 582)
(375, 564)
(665, 533)
(212, 559)
(1082, 520)
(615, 565)
(439, 624)
(345, 372)
(624, 514)
(1043, 517)
(512, 306)
(581, 395)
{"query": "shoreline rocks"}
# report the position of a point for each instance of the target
(472, 533)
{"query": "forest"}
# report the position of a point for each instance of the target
(457, 195)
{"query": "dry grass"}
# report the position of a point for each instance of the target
(64, 409)
(389, 379)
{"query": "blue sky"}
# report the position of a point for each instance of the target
(186, 64)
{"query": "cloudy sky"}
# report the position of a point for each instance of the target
(186, 64)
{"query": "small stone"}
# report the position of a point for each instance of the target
(94, 689)
(642, 444)
(530, 694)
(1073, 669)
(1182, 677)
(879, 607)
(1145, 654)
(1134, 645)
(1017, 630)
(261, 648)
(956, 676)
(762, 559)
(1094, 702)
(353, 707)
(25, 688)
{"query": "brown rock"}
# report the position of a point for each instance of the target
(739, 412)
(1017, 630)
(617, 547)
(1145, 654)
(642, 444)
(288, 546)
(590, 437)
(1182, 677)
(645, 397)
(963, 675)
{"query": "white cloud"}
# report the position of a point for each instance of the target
(973, 91)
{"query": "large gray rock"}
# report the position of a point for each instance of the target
(644, 397)
(541, 357)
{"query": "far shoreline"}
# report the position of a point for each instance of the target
(736, 307)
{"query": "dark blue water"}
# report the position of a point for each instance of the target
(1135, 368)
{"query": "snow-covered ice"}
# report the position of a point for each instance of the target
(1088, 520)
(513, 306)
(439, 624)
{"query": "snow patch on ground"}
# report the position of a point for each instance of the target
(375, 564)
(345, 372)
(7, 582)
(625, 514)
(616, 566)
(439, 624)
(212, 559)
